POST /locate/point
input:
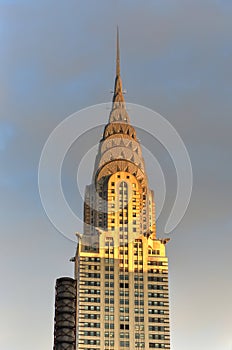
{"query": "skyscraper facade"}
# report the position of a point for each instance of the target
(121, 267)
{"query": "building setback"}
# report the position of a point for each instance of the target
(121, 268)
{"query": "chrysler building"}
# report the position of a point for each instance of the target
(118, 298)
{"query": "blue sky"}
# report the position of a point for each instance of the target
(59, 57)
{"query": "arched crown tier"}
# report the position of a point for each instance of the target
(119, 128)
(122, 165)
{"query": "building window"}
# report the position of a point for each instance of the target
(109, 284)
(109, 326)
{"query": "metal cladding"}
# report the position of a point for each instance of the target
(65, 314)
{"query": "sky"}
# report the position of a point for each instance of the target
(58, 57)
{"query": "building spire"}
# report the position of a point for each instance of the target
(118, 98)
(118, 55)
